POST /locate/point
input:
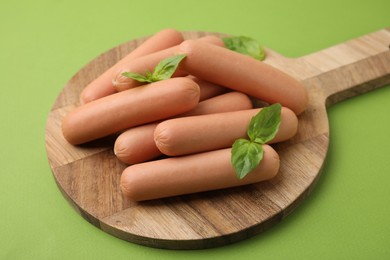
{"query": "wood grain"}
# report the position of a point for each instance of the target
(88, 175)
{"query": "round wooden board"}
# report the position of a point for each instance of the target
(88, 175)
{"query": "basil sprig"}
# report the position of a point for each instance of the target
(245, 45)
(246, 154)
(163, 70)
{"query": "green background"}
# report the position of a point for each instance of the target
(43, 43)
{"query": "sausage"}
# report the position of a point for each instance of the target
(149, 62)
(137, 145)
(242, 73)
(192, 173)
(188, 135)
(137, 106)
(102, 86)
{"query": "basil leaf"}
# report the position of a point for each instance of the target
(245, 156)
(138, 77)
(166, 67)
(245, 45)
(264, 126)
(163, 70)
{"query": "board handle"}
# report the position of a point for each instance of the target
(351, 68)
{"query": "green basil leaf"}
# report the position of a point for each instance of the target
(166, 67)
(245, 45)
(264, 126)
(137, 77)
(245, 156)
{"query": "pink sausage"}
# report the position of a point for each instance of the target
(192, 173)
(116, 112)
(188, 135)
(242, 73)
(102, 86)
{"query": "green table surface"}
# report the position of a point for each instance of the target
(43, 43)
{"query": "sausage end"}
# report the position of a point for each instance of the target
(269, 167)
(163, 136)
(187, 47)
(67, 127)
(122, 152)
(127, 184)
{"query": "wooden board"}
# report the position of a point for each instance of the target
(88, 175)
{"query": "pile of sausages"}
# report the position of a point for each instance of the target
(193, 118)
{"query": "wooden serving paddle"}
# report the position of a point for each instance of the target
(88, 175)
